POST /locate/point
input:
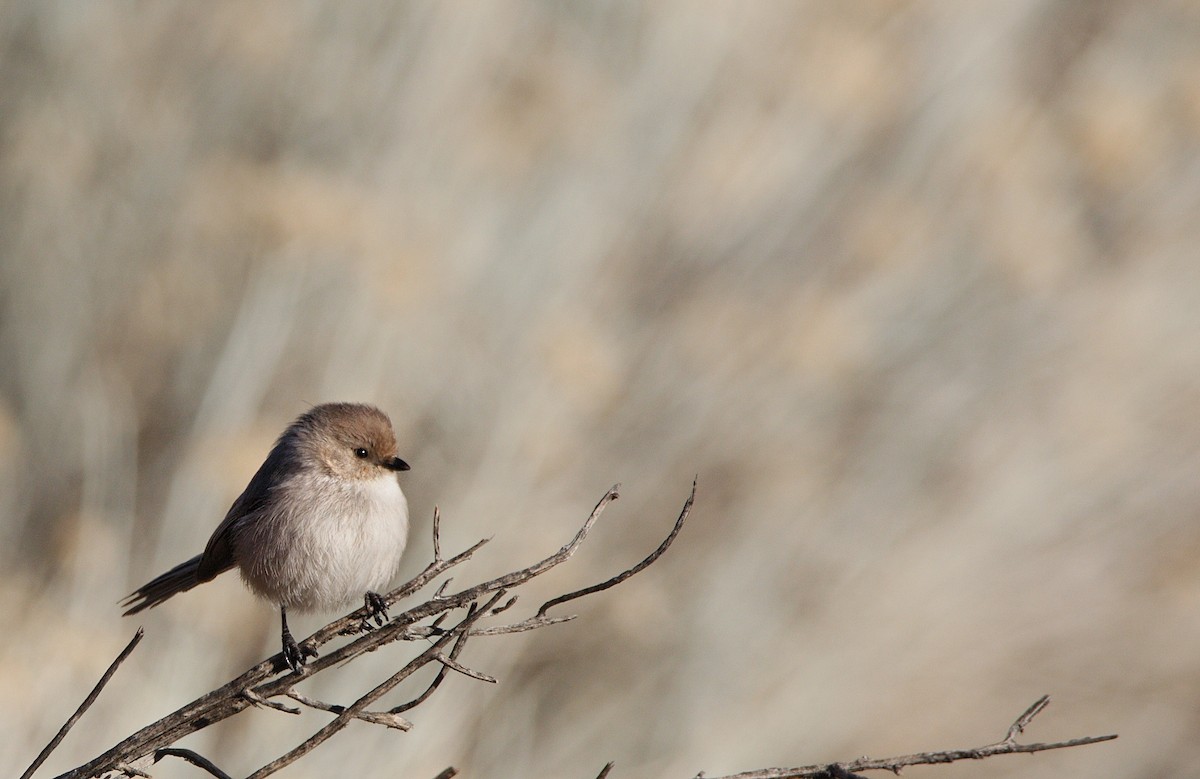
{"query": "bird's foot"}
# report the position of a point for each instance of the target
(376, 608)
(296, 655)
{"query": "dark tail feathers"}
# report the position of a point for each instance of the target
(179, 579)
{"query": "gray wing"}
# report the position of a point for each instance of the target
(218, 555)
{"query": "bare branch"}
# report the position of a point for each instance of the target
(520, 577)
(533, 623)
(83, 707)
(437, 680)
(1006, 746)
(462, 669)
(657, 553)
(386, 718)
(258, 700)
(437, 534)
(417, 632)
(198, 760)
(1026, 717)
(503, 607)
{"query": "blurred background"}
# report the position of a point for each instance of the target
(912, 287)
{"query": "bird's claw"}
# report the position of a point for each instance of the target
(376, 608)
(296, 655)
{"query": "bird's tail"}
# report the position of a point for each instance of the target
(179, 579)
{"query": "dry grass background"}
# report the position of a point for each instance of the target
(911, 286)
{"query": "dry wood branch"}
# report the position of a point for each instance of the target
(258, 700)
(195, 759)
(386, 718)
(462, 669)
(258, 685)
(1019, 724)
(1006, 746)
(437, 680)
(437, 534)
(533, 623)
(657, 553)
(87, 703)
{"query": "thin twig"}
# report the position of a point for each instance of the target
(449, 773)
(1006, 746)
(1026, 717)
(533, 623)
(455, 651)
(462, 669)
(196, 759)
(417, 632)
(503, 607)
(259, 700)
(83, 707)
(437, 534)
(386, 718)
(520, 577)
(604, 585)
(604, 771)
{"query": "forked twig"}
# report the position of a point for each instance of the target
(437, 680)
(657, 553)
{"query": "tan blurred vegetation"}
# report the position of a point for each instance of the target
(911, 286)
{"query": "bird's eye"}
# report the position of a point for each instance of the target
(361, 453)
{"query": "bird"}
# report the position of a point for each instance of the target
(322, 523)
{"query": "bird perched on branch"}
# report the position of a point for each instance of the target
(322, 523)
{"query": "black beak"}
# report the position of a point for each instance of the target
(395, 464)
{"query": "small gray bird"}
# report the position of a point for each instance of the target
(321, 523)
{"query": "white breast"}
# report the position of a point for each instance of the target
(327, 551)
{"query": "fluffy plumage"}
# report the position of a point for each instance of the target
(320, 524)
